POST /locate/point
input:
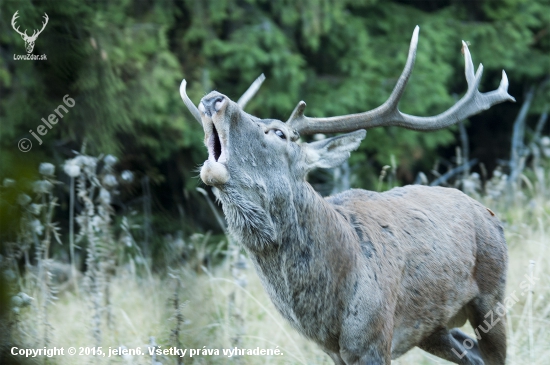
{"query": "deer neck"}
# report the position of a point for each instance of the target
(301, 217)
(297, 246)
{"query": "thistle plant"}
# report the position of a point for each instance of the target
(36, 230)
(96, 185)
(239, 266)
(87, 184)
(48, 229)
(72, 169)
(29, 227)
(10, 321)
(178, 318)
(105, 212)
(10, 316)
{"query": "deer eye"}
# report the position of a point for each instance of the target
(280, 134)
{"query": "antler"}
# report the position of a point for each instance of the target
(387, 114)
(243, 100)
(251, 91)
(15, 16)
(34, 34)
(188, 103)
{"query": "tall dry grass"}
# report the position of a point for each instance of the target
(194, 307)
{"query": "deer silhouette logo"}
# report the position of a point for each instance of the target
(29, 40)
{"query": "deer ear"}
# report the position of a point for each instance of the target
(332, 152)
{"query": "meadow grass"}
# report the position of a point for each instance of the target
(225, 306)
(141, 307)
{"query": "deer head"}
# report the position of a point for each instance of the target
(255, 163)
(29, 40)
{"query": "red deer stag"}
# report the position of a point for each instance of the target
(365, 275)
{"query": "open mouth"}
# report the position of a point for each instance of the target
(212, 107)
(214, 171)
(217, 145)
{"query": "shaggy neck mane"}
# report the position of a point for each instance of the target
(279, 220)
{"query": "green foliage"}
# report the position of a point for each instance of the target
(122, 63)
(113, 59)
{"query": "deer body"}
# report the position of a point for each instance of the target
(365, 275)
(352, 278)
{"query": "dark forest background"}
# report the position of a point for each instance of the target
(122, 63)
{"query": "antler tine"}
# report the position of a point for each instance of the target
(251, 91)
(399, 88)
(37, 32)
(243, 100)
(305, 125)
(192, 108)
(388, 114)
(13, 19)
(44, 23)
(468, 64)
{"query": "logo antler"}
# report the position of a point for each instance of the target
(15, 16)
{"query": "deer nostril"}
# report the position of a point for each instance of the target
(213, 105)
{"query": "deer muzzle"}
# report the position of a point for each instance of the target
(214, 171)
(211, 106)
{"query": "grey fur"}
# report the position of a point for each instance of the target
(365, 275)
